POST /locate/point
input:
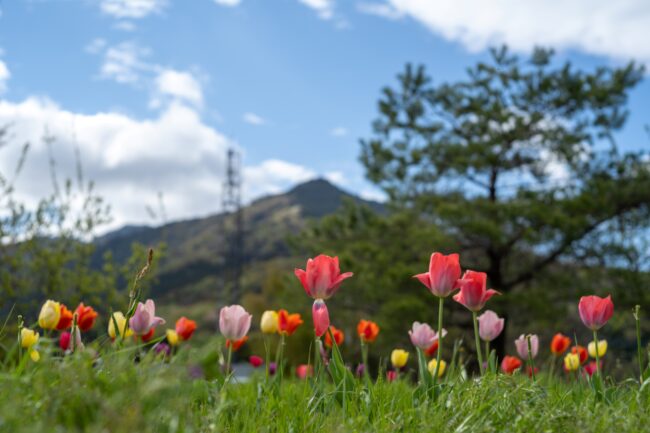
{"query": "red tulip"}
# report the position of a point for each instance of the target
(321, 317)
(288, 323)
(237, 343)
(582, 353)
(432, 349)
(148, 336)
(391, 375)
(185, 328)
(304, 370)
(591, 368)
(510, 364)
(560, 344)
(255, 361)
(442, 278)
(322, 276)
(595, 311)
(64, 341)
(338, 337)
(86, 316)
(65, 319)
(473, 293)
(530, 371)
(367, 331)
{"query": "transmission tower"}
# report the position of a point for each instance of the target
(232, 210)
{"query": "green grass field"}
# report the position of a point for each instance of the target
(107, 390)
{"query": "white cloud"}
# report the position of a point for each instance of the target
(228, 2)
(4, 76)
(373, 195)
(599, 27)
(134, 9)
(380, 9)
(132, 160)
(95, 46)
(337, 178)
(177, 85)
(124, 63)
(324, 8)
(125, 26)
(254, 119)
(339, 131)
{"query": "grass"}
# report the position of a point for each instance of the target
(121, 391)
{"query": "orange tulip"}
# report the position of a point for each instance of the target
(560, 344)
(185, 328)
(510, 364)
(236, 344)
(86, 316)
(581, 352)
(288, 323)
(338, 337)
(367, 331)
(65, 319)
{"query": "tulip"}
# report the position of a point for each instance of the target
(321, 277)
(422, 336)
(367, 331)
(489, 325)
(163, 348)
(273, 367)
(145, 318)
(595, 311)
(86, 316)
(255, 361)
(75, 340)
(510, 364)
(185, 328)
(434, 363)
(399, 358)
(49, 315)
(432, 349)
(28, 338)
(65, 319)
(148, 336)
(117, 318)
(269, 322)
(288, 323)
(361, 370)
(532, 371)
(172, 337)
(473, 295)
(602, 349)
(34, 355)
(234, 322)
(338, 337)
(304, 370)
(391, 375)
(592, 368)
(581, 352)
(560, 344)
(236, 344)
(571, 362)
(442, 277)
(522, 346)
(321, 317)
(64, 341)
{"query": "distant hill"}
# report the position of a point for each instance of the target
(193, 268)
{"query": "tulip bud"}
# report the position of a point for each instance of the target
(602, 348)
(34, 355)
(269, 322)
(441, 369)
(50, 314)
(185, 328)
(64, 341)
(28, 338)
(119, 319)
(571, 362)
(399, 358)
(172, 337)
(321, 317)
(521, 344)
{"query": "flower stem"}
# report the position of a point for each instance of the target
(267, 350)
(487, 351)
(441, 301)
(228, 360)
(639, 353)
(597, 354)
(478, 343)
(364, 359)
(530, 358)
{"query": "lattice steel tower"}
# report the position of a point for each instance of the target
(234, 226)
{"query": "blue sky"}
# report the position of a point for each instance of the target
(153, 91)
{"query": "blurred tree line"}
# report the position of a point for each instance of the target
(517, 168)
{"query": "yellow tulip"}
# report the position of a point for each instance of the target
(602, 348)
(34, 355)
(399, 358)
(269, 322)
(49, 315)
(118, 318)
(28, 338)
(572, 361)
(441, 370)
(172, 337)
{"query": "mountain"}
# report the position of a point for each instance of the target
(193, 267)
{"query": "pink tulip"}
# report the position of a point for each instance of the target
(442, 278)
(322, 276)
(234, 322)
(490, 325)
(422, 336)
(304, 370)
(145, 318)
(64, 340)
(522, 346)
(595, 311)
(321, 317)
(473, 293)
